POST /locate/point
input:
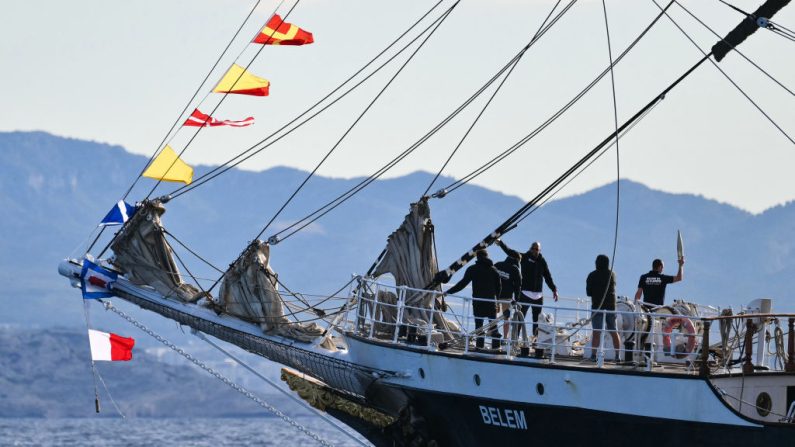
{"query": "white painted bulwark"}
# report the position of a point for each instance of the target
(683, 398)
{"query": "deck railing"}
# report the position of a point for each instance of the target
(650, 336)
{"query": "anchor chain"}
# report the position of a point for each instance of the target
(216, 374)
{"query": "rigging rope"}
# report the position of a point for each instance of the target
(198, 89)
(326, 298)
(94, 371)
(432, 27)
(511, 222)
(753, 405)
(618, 175)
(193, 252)
(586, 166)
(493, 95)
(497, 159)
(581, 324)
(329, 206)
(109, 306)
(361, 115)
(715, 64)
(182, 113)
(240, 76)
(252, 150)
(179, 259)
(273, 384)
(789, 35)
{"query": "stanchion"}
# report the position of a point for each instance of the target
(704, 368)
(750, 329)
(790, 367)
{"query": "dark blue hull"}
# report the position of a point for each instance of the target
(454, 420)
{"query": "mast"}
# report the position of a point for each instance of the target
(748, 26)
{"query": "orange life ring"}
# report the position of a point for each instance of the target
(685, 325)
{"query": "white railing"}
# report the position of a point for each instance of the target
(649, 336)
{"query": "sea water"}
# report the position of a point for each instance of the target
(96, 432)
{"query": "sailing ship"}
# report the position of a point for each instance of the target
(399, 362)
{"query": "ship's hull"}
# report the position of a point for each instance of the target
(457, 420)
(463, 400)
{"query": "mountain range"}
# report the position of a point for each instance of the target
(54, 191)
(46, 373)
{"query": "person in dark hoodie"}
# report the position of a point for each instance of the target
(601, 287)
(535, 271)
(511, 277)
(486, 287)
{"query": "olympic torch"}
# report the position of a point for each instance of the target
(680, 246)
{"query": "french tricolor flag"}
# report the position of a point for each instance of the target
(119, 214)
(110, 347)
(95, 281)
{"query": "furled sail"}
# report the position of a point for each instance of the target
(411, 259)
(144, 256)
(249, 292)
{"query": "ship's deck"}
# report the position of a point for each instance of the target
(682, 338)
(665, 366)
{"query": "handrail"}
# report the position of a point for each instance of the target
(653, 336)
(741, 316)
(683, 340)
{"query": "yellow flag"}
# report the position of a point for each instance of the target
(238, 80)
(168, 167)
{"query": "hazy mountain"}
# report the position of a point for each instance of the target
(54, 190)
(46, 373)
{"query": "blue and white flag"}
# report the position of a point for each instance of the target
(96, 281)
(119, 214)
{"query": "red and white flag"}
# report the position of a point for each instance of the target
(109, 347)
(199, 119)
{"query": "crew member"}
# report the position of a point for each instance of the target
(511, 277)
(534, 272)
(652, 285)
(485, 290)
(601, 287)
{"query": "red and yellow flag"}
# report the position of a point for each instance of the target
(239, 81)
(278, 32)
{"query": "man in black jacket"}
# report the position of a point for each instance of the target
(485, 289)
(535, 271)
(601, 287)
(511, 277)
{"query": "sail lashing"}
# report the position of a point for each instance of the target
(249, 292)
(142, 253)
(410, 257)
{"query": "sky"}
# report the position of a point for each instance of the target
(121, 72)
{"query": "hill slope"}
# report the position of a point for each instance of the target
(48, 374)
